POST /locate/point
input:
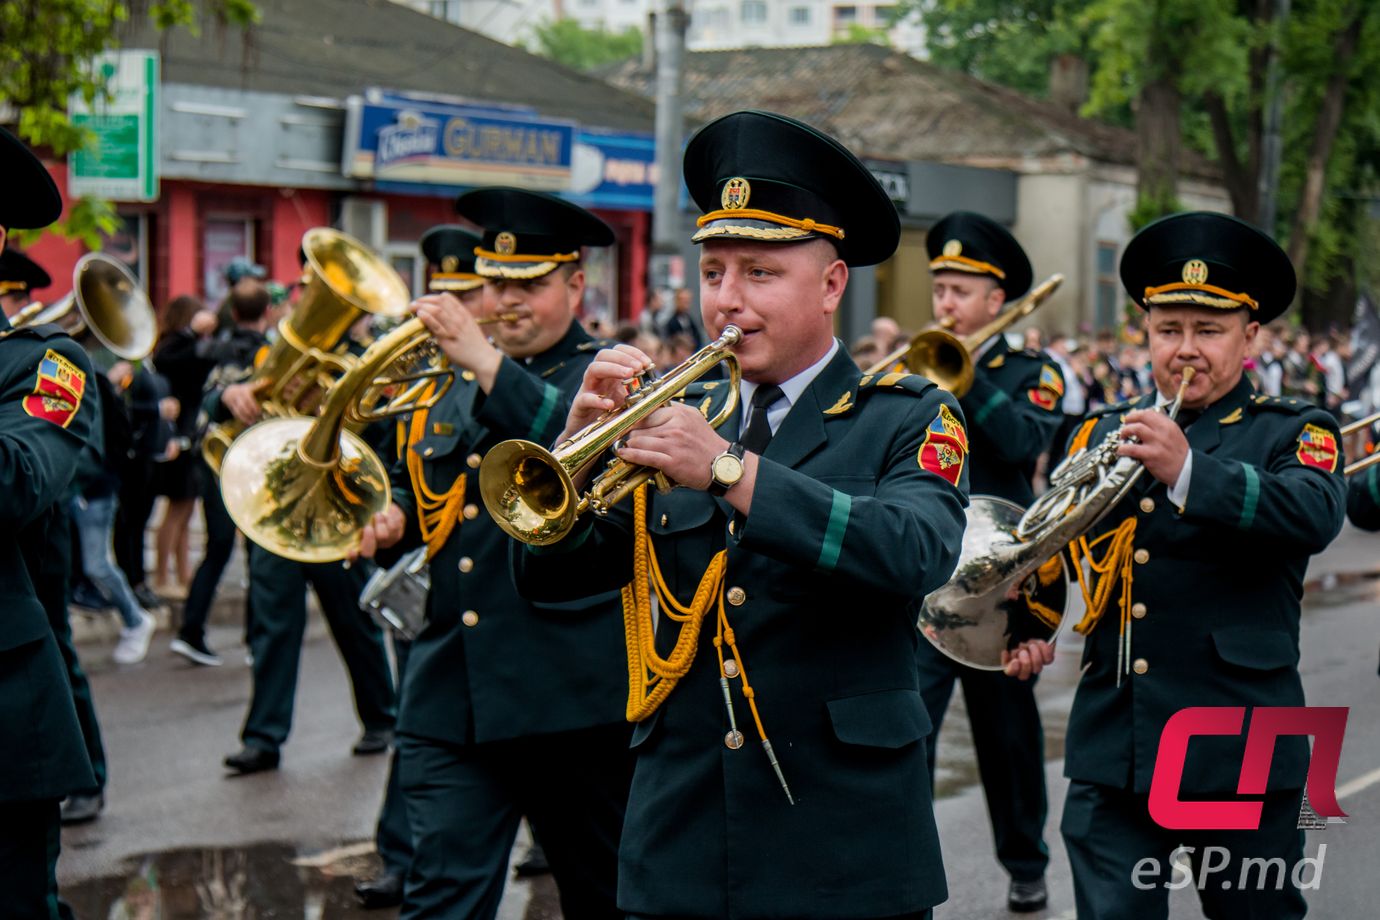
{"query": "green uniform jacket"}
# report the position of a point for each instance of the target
(824, 580)
(45, 755)
(1363, 499)
(1013, 410)
(520, 670)
(1221, 586)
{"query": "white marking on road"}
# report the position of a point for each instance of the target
(1365, 781)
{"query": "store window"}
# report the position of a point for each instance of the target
(601, 284)
(129, 244)
(223, 239)
(754, 12)
(800, 16)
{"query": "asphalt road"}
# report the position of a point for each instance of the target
(180, 840)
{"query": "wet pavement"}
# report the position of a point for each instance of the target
(181, 840)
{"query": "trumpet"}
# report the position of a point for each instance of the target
(530, 491)
(106, 301)
(1011, 583)
(947, 359)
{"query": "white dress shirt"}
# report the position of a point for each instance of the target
(792, 389)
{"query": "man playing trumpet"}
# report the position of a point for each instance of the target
(1207, 553)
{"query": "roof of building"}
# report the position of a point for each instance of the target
(883, 103)
(341, 47)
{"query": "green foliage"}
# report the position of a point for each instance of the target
(567, 42)
(46, 52)
(860, 35)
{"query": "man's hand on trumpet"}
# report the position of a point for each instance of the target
(385, 530)
(464, 342)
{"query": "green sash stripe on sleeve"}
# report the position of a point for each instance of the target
(550, 397)
(987, 408)
(833, 531)
(1251, 498)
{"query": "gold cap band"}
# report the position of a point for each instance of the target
(808, 225)
(965, 264)
(1207, 295)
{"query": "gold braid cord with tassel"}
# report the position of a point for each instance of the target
(437, 512)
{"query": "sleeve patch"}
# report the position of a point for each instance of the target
(1050, 389)
(945, 447)
(1317, 448)
(58, 390)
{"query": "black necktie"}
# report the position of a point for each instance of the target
(1187, 417)
(757, 435)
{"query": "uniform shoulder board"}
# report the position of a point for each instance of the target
(45, 331)
(595, 345)
(1120, 407)
(914, 384)
(708, 396)
(1290, 405)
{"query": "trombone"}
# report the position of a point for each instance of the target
(1351, 428)
(530, 491)
(947, 359)
(106, 301)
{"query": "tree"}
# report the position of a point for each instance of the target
(46, 52)
(567, 42)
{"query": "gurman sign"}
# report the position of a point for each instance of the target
(436, 143)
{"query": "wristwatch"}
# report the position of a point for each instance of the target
(726, 470)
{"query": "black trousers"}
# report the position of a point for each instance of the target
(278, 596)
(1108, 833)
(132, 519)
(464, 803)
(220, 543)
(1010, 745)
(29, 845)
(393, 836)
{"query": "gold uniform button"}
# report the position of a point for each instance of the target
(737, 596)
(470, 618)
(1140, 666)
(1142, 555)
(428, 452)
(467, 375)
(730, 526)
(471, 512)
(665, 519)
(1138, 611)
(466, 564)
(1147, 504)
(472, 461)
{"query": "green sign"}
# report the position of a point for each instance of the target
(121, 161)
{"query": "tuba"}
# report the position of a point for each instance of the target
(1011, 583)
(530, 491)
(345, 281)
(106, 301)
(945, 358)
(302, 487)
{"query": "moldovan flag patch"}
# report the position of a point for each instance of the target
(945, 447)
(1317, 448)
(57, 391)
(1050, 389)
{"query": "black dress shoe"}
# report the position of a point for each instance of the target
(373, 741)
(1025, 897)
(534, 863)
(252, 760)
(79, 809)
(384, 891)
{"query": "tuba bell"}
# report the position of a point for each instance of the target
(345, 281)
(947, 359)
(530, 491)
(1011, 583)
(106, 301)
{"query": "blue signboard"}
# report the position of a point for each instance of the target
(393, 139)
(614, 170)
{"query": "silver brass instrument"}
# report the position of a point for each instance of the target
(106, 301)
(530, 491)
(1011, 583)
(396, 597)
(947, 359)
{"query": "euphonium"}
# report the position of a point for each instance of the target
(303, 488)
(1011, 583)
(945, 358)
(530, 491)
(345, 281)
(108, 303)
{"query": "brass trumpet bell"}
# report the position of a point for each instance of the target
(530, 491)
(106, 301)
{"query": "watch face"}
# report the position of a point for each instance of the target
(728, 469)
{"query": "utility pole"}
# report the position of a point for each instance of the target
(669, 28)
(1268, 188)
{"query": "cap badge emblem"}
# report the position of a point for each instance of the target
(1195, 271)
(735, 194)
(450, 263)
(953, 248)
(505, 244)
